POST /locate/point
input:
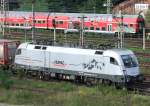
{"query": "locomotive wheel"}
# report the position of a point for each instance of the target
(89, 83)
(118, 86)
(46, 76)
(106, 82)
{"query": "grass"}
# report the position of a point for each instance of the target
(68, 94)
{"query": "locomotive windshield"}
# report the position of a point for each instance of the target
(129, 61)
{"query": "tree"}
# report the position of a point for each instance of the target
(26, 5)
(147, 18)
(64, 5)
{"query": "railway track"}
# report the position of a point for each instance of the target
(142, 88)
(138, 88)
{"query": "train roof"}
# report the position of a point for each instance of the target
(7, 41)
(29, 14)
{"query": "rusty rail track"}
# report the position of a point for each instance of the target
(142, 88)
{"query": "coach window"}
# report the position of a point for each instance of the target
(21, 25)
(17, 24)
(18, 52)
(35, 21)
(39, 22)
(91, 28)
(103, 28)
(131, 25)
(43, 21)
(60, 22)
(86, 28)
(126, 25)
(7, 23)
(97, 28)
(113, 61)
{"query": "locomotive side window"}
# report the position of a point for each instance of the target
(113, 61)
(18, 52)
(99, 52)
(37, 47)
(44, 48)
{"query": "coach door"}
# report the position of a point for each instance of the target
(109, 27)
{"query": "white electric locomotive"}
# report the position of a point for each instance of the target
(119, 66)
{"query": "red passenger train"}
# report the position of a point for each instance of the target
(71, 22)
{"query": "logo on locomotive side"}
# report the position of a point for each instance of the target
(93, 64)
(58, 63)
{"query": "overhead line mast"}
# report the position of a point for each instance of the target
(109, 5)
(4, 8)
(33, 20)
(82, 30)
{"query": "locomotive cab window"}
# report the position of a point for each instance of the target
(99, 52)
(113, 61)
(18, 52)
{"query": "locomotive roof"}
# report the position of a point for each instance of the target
(29, 14)
(31, 46)
(120, 51)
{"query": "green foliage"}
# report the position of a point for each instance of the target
(20, 73)
(78, 96)
(26, 5)
(89, 6)
(5, 80)
(148, 16)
